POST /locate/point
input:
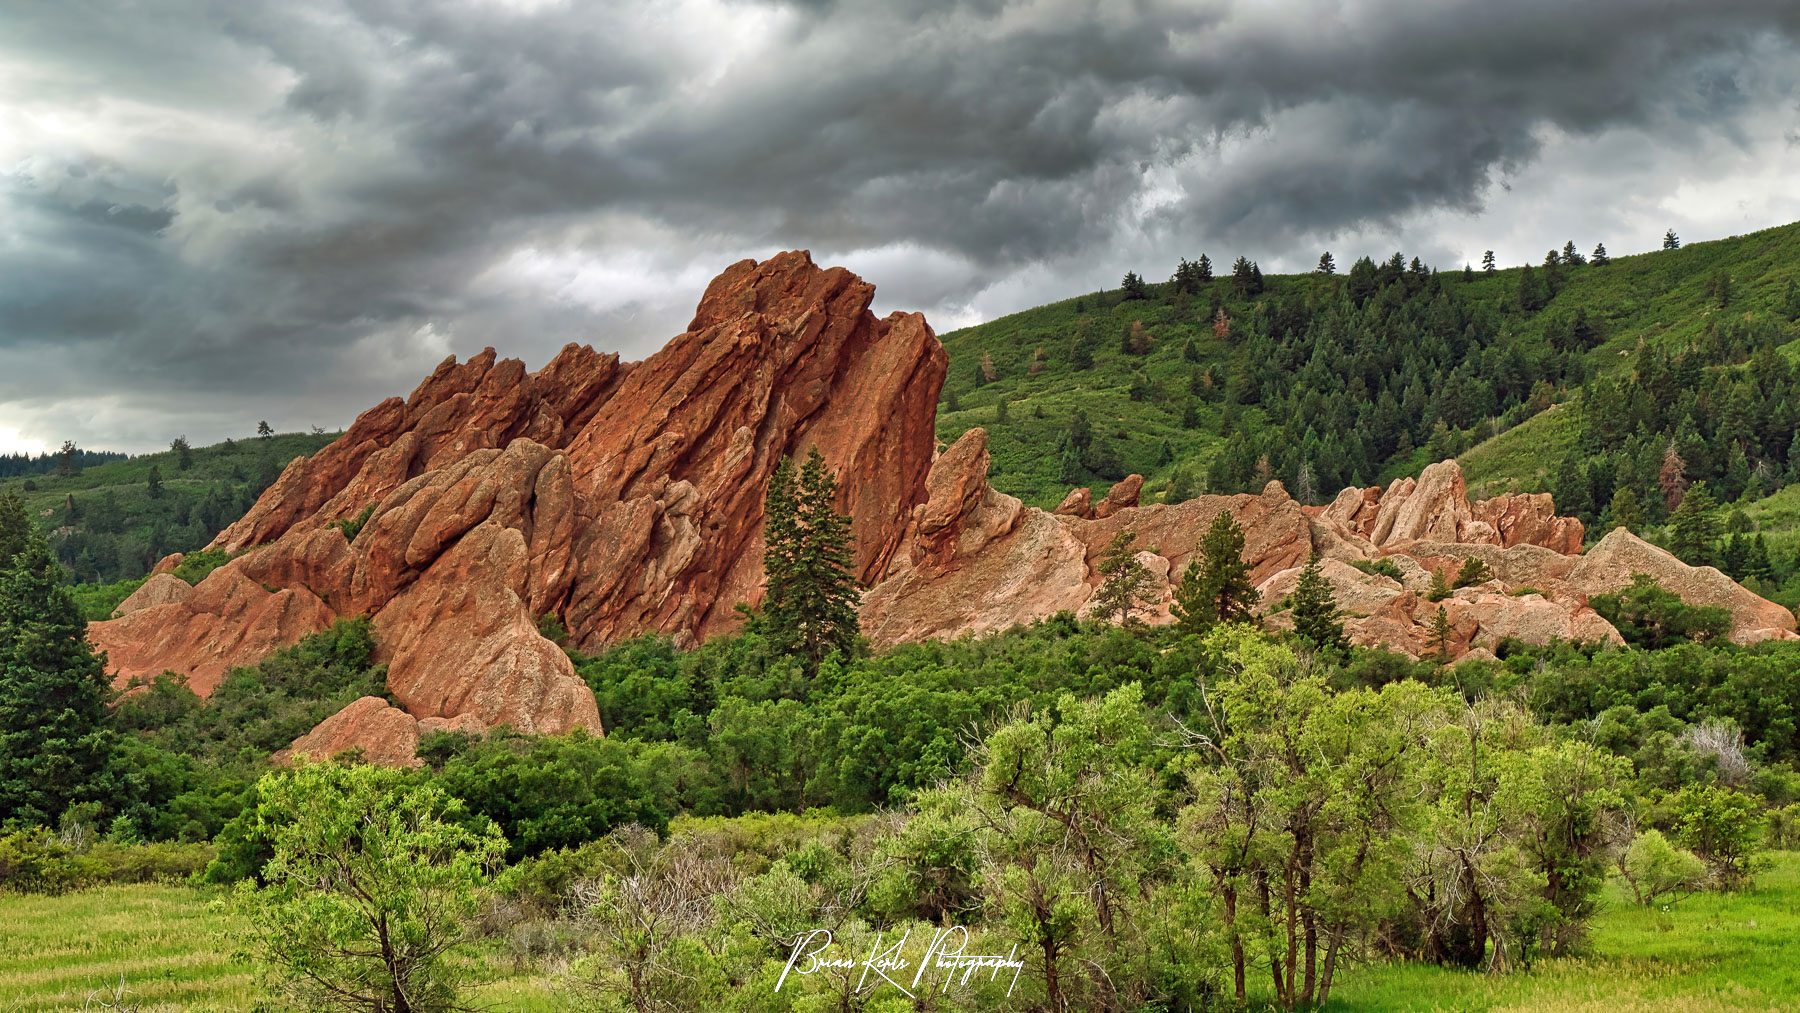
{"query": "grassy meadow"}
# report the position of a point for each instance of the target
(170, 947)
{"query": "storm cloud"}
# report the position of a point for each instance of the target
(217, 212)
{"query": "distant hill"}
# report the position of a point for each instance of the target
(108, 525)
(1369, 373)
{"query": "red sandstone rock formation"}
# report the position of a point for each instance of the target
(622, 498)
(1035, 564)
(626, 498)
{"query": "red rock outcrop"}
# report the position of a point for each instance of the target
(620, 498)
(1037, 563)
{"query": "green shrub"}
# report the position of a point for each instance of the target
(97, 601)
(194, 566)
(1655, 869)
(39, 860)
(1648, 616)
(1520, 592)
(1379, 568)
(351, 528)
(1474, 571)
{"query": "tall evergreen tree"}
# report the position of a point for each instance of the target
(1571, 256)
(1316, 614)
(1600, 259)
(1487, 262)
(1671, 241)
(809, 608)
(1203, 270)
(15, 527)
(184, 454)
(1215, 586)
(1133, 287)
(1125, 589)
(1440, 635)
(1327, 265)
(1694, 527)
(54, 742)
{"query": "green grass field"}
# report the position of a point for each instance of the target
(169, 946)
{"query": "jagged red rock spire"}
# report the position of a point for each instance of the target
(622, 498)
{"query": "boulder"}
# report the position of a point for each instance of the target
(1123, 494)
(1610, 565)
(161, 589)
(385, 734)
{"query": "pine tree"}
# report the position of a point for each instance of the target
(1531, 295)
(1694, 527)
(153, 482)
(54, 742)
(1327, 266)
(1440, 635)
(1190, 352)
(1487, 262)
(1132, 287)
(264, 430)
(1316, 614)
(1571, 256)
(1068, 462)
(1440, 587)
(1600, 259)
(1671, 241)
(1625, 511)
(1203, 271)
(1125, 589)
(184, 454)
(1190, 416)
(809, 607)
(1215, 586)
(68, 460)
(1790, 301)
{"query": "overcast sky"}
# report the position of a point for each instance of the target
(218, 212)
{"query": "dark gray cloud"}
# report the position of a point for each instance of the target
(215, 212)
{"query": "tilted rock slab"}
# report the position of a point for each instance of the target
(621, 498)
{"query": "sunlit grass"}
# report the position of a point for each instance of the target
(169, 945)
(1710, 952)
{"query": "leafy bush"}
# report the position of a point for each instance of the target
(1474, 571)
(38, 860)
(1379, 568)
(1655, 869)
(1648, 616)
(97, 601)
(194, 566)
(352, 527)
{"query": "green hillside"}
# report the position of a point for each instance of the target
(108, 524)
(1570, 377)
(1481, 352)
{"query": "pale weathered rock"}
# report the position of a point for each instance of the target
(160, 589)
(1610, 565)
(384, 733)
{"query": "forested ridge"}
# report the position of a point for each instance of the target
(1576, 375)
